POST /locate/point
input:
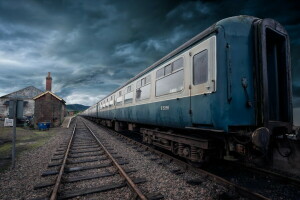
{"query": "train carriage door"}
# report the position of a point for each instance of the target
(203, 81)
(274, 107)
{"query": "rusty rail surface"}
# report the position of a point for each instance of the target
(62, 168)
(240, 190)
(131, 184)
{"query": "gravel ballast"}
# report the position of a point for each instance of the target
(19, 183)
(160, 173)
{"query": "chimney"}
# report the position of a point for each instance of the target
(48, 82)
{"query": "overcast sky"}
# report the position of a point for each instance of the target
(92, 47)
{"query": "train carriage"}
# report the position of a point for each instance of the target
(228, 87)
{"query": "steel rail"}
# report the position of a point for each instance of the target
(62, 168)
(239, 189)
(131, 184)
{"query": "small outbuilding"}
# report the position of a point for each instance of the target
(49, 107)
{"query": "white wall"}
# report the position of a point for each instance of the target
(28, 108)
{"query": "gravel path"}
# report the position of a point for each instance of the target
(19, 183)
(159, 175)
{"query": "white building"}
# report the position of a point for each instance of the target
(27, 94)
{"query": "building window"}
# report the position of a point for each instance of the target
(143, 88)
(171, 80)
(200, 67)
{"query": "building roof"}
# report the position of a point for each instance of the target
(49, 92)
(25, 93)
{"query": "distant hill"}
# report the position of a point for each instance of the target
(76, 107)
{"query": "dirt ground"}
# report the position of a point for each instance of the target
(34, 150)
(26, 140)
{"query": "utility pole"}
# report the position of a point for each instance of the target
(15, 111)
(13, 153)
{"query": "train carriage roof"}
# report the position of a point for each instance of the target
(194, 40)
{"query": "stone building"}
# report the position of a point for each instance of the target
(27, 94)
(49, 107)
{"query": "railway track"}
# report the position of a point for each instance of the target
(260, 184)
(290, 180)
(84, 152)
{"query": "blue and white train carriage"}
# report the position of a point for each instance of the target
(228, 88)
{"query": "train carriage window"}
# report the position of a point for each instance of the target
(111, 102)
(143, 82)
(107, 102)
(160, 73)
(148, 79)
(143, 88)
(200, 67)
(119, 99)
(178, 64)
(168, 69)
(170, 84)
(129, 89)
(128, 97)
(143, 92)
(138, 84)
(172, 80)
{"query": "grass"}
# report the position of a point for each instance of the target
(26, 140)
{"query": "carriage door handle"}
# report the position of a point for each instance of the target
(245, 85)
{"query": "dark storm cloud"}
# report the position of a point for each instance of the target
(92, 47)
